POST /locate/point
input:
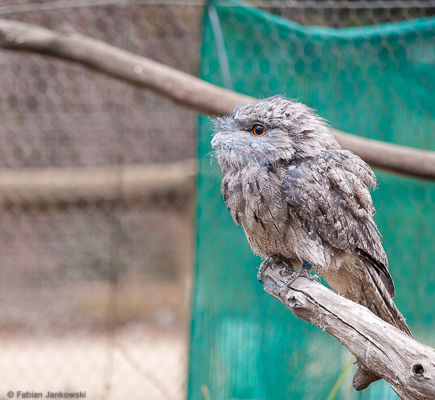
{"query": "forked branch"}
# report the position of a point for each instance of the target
(379, 347)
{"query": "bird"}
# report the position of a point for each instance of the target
(303, 201)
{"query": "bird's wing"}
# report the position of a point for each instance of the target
(330, 195)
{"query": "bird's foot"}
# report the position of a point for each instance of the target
(303, 272)
(279, 275)
(271, 262)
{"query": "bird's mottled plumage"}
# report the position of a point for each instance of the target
(300, 197)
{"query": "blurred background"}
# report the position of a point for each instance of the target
(97, 291)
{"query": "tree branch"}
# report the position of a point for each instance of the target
(60, 188)
(188, 90)
(379, 347)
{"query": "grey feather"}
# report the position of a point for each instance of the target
(299, 196)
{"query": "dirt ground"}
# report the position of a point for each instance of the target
(132, 364)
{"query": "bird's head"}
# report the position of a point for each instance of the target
(268, 131)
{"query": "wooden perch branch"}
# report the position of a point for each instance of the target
(189, 90)
(83, 186)
(379, 347)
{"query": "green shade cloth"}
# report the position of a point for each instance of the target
(375, 81)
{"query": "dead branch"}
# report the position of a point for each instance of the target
(189, 90)
(55, 187)
(379, 347)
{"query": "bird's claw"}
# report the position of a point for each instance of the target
(303, 272)
(270, 262)
(262, 269)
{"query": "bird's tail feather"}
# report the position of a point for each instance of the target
(361, 281)
(379, 301)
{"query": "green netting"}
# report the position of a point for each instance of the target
(374, 81)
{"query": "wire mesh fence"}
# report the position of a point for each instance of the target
(374, 81)
(95, 291)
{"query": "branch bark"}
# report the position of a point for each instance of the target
(60, 188)
(379, 347)
(188, 90)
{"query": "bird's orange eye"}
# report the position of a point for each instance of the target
(258, 129)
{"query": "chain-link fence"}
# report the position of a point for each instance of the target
(95, 290)
(94, 294)
(376, 81)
